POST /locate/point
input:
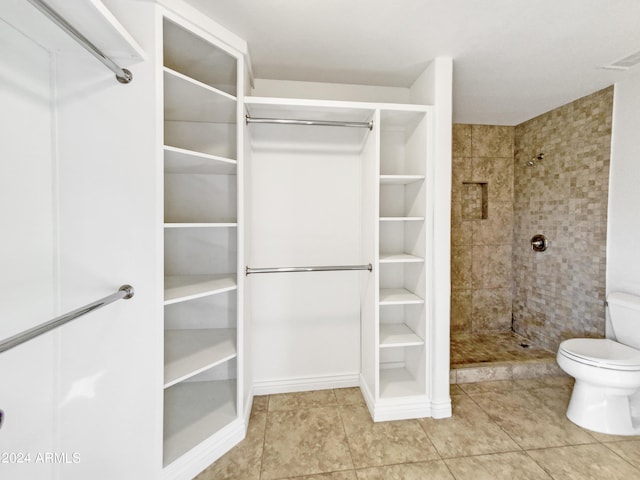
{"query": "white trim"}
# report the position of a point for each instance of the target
(441, 409)
(402, 409)
(200, 457)
(304, 384)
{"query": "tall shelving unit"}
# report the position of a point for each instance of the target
(403, 263)
(202, 323)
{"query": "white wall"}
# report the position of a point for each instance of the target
(27, 254)
(80, 204)
(110, 376)
(623, 237)
(305, 210)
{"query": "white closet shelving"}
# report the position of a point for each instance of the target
(200, 240)
(402, 271)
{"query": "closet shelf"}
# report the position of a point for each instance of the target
(189, 352)
(398, 382)
(398, 335)
(188, 100)
(180, 160)
(199, 59)
(180, 288)
(91, 18)
(400, 258)
(398, 296)
(400, 179)
(225, 224)
(193, 411)
(401, 219)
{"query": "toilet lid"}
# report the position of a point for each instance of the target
(601, 352)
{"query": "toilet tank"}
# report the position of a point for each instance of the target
(624, 310)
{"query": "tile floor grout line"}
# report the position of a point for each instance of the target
(264, 437)
(620, 456)
(344, 429)
(496, 423)
(420, 424)
(540, 465)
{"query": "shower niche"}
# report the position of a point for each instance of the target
(475, 200)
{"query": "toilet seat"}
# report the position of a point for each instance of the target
(602, 353)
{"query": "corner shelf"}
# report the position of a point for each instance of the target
(182, 160)
(202, 324)
(189, 100)
(180, 288)
(190, 352)
(192, 411)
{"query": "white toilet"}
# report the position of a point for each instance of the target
(606, 395)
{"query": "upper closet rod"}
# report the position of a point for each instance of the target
(328, 268)
(326, 123)
(122, 74)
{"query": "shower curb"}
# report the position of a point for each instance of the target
(494, 371)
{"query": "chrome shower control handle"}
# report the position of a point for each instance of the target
(539, 243)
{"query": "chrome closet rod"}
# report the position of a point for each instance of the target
(124, 292)
(326, 123)
(328, 268)
(122, 74)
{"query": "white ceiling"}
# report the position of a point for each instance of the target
(513, 59)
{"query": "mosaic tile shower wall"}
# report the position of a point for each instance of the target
(560, 293)
(481, 228)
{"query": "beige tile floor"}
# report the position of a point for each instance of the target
(502, 430)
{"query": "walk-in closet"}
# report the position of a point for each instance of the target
(276, 243)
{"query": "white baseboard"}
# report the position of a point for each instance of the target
(441, 409)
(304, 384)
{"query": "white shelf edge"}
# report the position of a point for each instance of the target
(181, 288)
(191, 101)
(398, 296)
(400, 258)
(174, 155)
(189, 352)
(201, 225)
(305, 102)
(393, 335)
(199, 84)
(402, 219)
(400, 179)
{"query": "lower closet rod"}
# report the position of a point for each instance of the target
(329, 268)
(326, 123)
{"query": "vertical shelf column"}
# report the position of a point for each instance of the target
(403, 276)
(201, 242)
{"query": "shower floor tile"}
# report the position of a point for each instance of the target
(500, 356)
(481, 348)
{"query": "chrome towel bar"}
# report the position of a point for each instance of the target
(122, 74)
(125, 292)
(326, 123)
(328, 268)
